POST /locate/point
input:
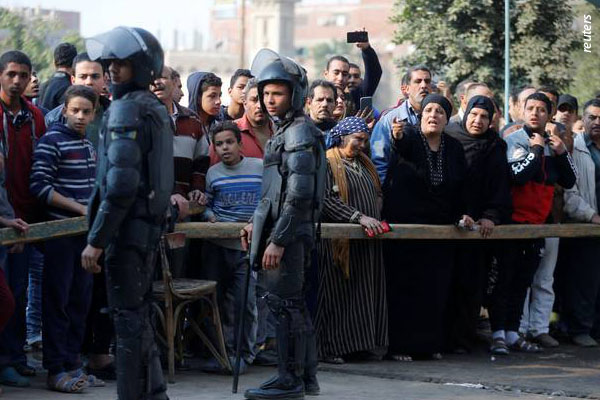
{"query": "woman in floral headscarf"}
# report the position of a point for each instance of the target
(351, 313)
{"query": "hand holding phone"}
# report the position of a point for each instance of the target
(366, 102)
(357, 37)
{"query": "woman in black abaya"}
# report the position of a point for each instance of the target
(424, 185)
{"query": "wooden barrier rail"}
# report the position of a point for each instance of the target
(228, 230)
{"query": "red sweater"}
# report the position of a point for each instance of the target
(17, 148)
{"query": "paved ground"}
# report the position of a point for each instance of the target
(334, 386)
(567, 371)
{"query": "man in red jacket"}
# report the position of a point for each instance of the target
(21, 124)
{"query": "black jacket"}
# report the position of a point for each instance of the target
(52, 92)
(488, 175)
(408, 194)
(371, 78)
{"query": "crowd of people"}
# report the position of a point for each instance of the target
(432, 158)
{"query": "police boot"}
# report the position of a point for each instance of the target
(139, 373)
(286, 384)
(311, 385)
(129, 360)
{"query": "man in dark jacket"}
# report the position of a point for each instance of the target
(52, 92)
(538, 161)
(87, 73)
(337, 72)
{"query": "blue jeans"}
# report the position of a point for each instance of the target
(34, 296)
(228, 267)
(12, 339)
(67, 294)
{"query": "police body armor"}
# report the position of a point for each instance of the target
(293, 185)
(134, 183)
(135, 162)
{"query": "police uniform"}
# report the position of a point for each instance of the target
(129, 204)
(292, 193)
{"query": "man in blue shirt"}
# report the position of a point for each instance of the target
(419, 86)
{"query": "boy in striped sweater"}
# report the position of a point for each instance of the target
(233, 189)
(62, 178)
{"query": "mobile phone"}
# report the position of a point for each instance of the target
(357, 37)
(366, 102)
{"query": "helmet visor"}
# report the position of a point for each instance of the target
(118, 43)
(263, 58)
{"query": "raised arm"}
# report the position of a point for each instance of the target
(373, 72)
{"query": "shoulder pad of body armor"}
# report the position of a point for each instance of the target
(300, 136)
(124, 119)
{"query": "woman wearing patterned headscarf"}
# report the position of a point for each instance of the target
(424, 185)
(351, 312)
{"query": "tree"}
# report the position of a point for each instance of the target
(586, 76)
(36, 37)
(460, 39)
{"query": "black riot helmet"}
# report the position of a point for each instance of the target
(134, 44)
(268, 66)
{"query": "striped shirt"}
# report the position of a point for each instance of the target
(190, 151)
(64, 162)
(234, 191)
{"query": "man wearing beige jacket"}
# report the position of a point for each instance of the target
(582, 277)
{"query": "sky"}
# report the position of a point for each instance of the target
(102, 15)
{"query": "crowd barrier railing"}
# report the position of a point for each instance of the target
(230, 230)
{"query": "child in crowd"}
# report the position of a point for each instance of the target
(62, 178)
(233, 189)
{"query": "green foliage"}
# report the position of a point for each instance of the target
(586, 77)
(36, 37)
(460, 39)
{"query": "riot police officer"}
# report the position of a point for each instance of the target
(128, 207)
(283, 227)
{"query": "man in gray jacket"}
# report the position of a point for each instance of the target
(582, 278)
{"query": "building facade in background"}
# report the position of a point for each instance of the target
(269, 23)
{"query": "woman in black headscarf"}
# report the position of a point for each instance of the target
(424, 185)
(489, 203)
